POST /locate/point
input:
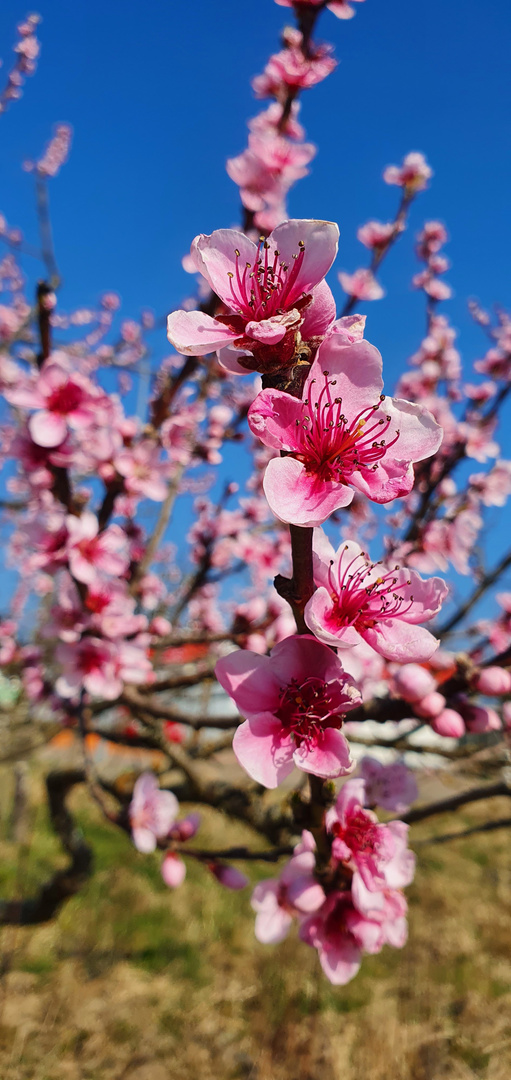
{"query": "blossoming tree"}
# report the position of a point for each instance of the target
(273, 592)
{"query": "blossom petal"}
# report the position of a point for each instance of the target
(299, 497)
(329, 756)
(249, 679)
(400, 641)
(264, 749)
(320, 314)
(195, 334)
(357, 368)
(320, 240)
(47, 428)
(273, 417)
(318, 617)
(215, 257)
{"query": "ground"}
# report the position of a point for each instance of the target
(134, 982)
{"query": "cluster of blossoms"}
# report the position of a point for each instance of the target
(153, 817)
(27, 50)
(429, 243)
(358, 905)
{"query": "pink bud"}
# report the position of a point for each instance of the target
(479, 719)
(430, 706)
(493, 681)
(449, 723)
(228, 876)
(185, 829)
(506, 715)
(173, 870)
(413, 682)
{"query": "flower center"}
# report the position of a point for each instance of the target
(360, 597)
(65, 399)
(360, 834)
(268, 287)
(307, 708)
(335, 447)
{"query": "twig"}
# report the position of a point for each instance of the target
(443, 806)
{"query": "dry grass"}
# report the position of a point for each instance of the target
(135, 983)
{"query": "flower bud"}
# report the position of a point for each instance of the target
(228, 876)
(413, 682)
(493, 681)
(173, 870)
(430, 706)
(449, 723)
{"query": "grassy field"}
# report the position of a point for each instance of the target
(133, 982)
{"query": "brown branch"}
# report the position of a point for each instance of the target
(166, 712)
(444, 806)
(237, 853)
(485, 583)
(489, 826)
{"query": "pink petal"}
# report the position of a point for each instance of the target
(419, 434)
(357, 368)
(320, 314)
(320, 239)
(273, 417)
(341, 963)
(228, 359)
(47, 428)
(306, 895)
(215, 257)
(195, 334)
(250, 680)
(399, 641)
(144, 840)
(264, 749)
(329, 757)
(301, 653)
(299, 497)
(318, 617)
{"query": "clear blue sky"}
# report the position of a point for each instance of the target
(158, 95)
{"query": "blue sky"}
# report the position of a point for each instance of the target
(158, 96)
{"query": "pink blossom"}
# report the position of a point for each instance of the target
(90, 664)
(377, 854)
(292, 69)
(413, 174)
(358, 599)
(342, 435)
(152, 812)
(295, 894)
(294, 701)
(90, 551)
(362, 284)
(375, 234)
(341, 934)
(341, 8)
(493, 487)
(64, 400)
(391, 786)
(142, 469)
(266, 290)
